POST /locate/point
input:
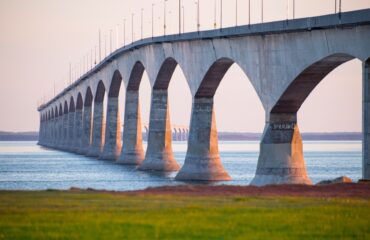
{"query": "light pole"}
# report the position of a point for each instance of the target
(110, 40)
(249, 12)
(335, 6)
(142, 10)
(221, 14)
(152, 20)
(105, 45)
(262, 11)
(183, 19)
(132, 28)
(236, 12)
(124, 32)
(179, 16)
(99, 45)
(293, 9)
(214, 14)
(198, 24)
(164, 17)
(117, 27)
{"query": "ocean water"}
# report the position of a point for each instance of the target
(25, 165)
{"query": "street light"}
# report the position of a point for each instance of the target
(132, 28)
(99, 45)
(124, 32)
(164, 17)
(236, 12)
(152, 20)
(179, 16)
(142, 10)
(221, 14)
(183, 19)
(198, 24)
(262, 10)
(214, 14)
(249, 12)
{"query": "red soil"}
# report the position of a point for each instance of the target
(345, 190)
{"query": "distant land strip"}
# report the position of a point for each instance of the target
(223, 136)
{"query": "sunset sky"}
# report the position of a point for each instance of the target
(40, 38)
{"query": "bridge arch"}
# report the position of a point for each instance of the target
(203, 137)
(88, 97)
(159, 154)
(98, 122)
(282, 126)
(112, 143)
(132, 148)
(299, 89)
(79, 103)
(72, 106)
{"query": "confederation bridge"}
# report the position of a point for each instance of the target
(283, 60)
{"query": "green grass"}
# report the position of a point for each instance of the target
(93, 215)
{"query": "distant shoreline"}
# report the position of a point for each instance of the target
(223, 136)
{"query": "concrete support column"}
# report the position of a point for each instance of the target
(41, 133)
(77, 131)
(52, 133)
(86, 131)
(65, 131)
(159, 154)
(132, 146)
(113, 142)
(71, 131)
(281, 158)
(98, 131)
(60, 131)
(202, 161)
(55, 132)
(366, 121)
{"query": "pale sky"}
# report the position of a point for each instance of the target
(39, 38)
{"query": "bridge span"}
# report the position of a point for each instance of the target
(284, 61)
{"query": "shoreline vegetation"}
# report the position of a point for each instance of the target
(337, 211)
(222, 136)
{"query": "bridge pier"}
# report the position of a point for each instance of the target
(202, 161)
(98, 131)
(113, 146)
(86, 131)
(366, 121)
(281, 158)
(159, 155)
(60, 132)
(132, 146)
(65, 132)
(71, 132)
(76, 141)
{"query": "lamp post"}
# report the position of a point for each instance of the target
(198, 24)
(249, 12)
(236, 12)
(179, 16)
(110, 40)
(221, 14)
(132, 28)
(183, 19)
(142, 10)
(164, 17)
(99, 45)
(293, 9)
(152, 20)
(214, 14)
(262, 11)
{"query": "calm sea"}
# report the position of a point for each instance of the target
(24, 165)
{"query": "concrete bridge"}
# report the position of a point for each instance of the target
(284, 61)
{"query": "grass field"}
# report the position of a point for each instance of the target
(95, 215)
